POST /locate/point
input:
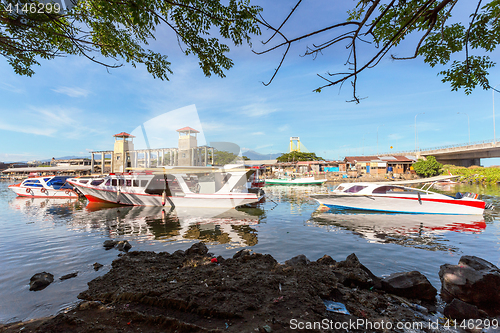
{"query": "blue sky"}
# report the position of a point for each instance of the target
(72, 106)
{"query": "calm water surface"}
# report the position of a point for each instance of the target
(62, 236)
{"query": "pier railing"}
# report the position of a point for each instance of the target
(475, 144)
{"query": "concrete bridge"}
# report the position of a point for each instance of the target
(462, 155)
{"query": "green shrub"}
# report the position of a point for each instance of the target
(427, 168)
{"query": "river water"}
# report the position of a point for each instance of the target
(62, 236)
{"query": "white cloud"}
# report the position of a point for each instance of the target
(263, 146)
(18, 157)
(72, 92)
(51, 121)
(283, 128)
(257, 110)
(37, 130)
(10, 87)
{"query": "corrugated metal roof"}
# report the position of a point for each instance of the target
(394, 158)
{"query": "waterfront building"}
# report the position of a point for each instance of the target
(380, 164)
(124, 157)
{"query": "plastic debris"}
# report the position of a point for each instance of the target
(336, 307)
(213, 260)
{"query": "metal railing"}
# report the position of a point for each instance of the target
(464, 145)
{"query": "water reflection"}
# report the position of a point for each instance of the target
(233, 227)
(415, 230)
(46, 208)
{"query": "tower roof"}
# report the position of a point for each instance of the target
(124, 134)
(187, 129)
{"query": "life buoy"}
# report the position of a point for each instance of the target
(28, 190)
(43, 190)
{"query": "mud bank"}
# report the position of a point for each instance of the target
(191, 291)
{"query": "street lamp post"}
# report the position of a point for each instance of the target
(416, 139)
(468, 122)
(377, 136)
(493, 94)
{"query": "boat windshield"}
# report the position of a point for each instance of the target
(396, 189)
(58, 183)
(32, 183)
(355, 188)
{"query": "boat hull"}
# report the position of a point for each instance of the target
(227, 200)
(402, 204)
(41, 192)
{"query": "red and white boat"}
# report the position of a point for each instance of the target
(394, 197)
(182, 186)
(45, 187)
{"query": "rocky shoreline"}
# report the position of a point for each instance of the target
(194, 291)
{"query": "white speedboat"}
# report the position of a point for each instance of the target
(173, 186)
(45, 187)
(394, 197)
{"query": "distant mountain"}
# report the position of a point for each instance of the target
(253, 155)
(65, 158)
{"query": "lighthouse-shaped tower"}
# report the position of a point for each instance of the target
(188, 144)
(123, 144)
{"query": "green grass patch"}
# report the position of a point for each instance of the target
(474, 174)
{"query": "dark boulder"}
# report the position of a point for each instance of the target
(351, 272)
(474, 281)
(460, 310)
(40, 281)
(410, 285)
(97, 266)
(68, 276)
(123, 246)
(242, 253)
(109, 244)
(197, 249)
(178, 254)
(326, 260)
(298, 260)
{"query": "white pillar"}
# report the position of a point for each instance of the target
(102, 163)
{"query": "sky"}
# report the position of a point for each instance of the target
(72, 106)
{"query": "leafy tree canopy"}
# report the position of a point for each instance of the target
(120, 30)
(224, 157)
(427, 168)
(372, 29)
(298, 156)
